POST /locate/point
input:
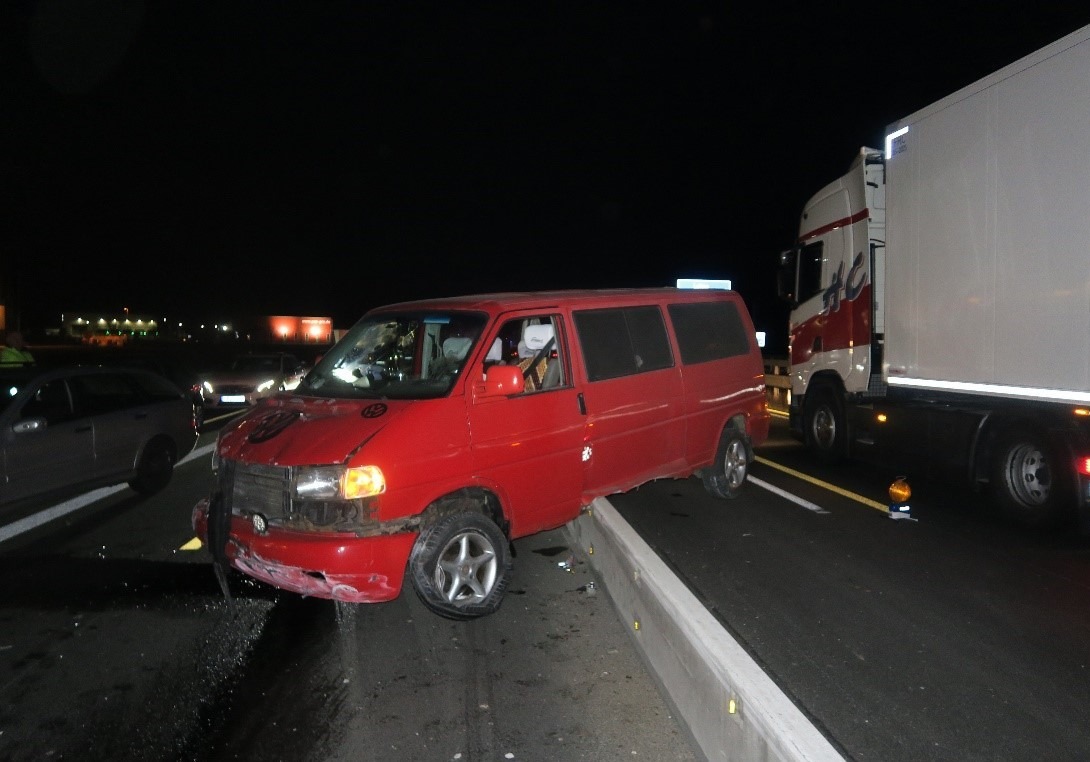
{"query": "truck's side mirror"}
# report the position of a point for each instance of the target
(787, 276)
(501, 381)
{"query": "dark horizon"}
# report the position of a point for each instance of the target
(209, 161)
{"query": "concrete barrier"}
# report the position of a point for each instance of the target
(730, 708)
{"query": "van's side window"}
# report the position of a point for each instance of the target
(622, 342)
(533, 344)
(708, 331)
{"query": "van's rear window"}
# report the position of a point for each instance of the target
(622, 342)
(708, 331)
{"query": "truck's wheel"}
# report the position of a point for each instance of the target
(460, 566)
(825, 425)
(726, 477)
(1025, 484)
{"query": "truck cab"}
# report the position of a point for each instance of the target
(832, 278)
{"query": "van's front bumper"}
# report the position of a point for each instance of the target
(335, 566)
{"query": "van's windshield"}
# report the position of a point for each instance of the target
(402, 355)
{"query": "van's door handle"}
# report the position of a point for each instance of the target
(582, 403)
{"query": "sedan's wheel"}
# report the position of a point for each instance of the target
(155, 468)
(1024, 485)
(726, 477)
(460, 566)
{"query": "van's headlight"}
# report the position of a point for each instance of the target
(337, 482)
(265, 385)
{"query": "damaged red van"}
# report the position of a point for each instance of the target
(436, 432)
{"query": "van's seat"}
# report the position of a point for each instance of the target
(455, 348)
(536, 347)
(454, 352)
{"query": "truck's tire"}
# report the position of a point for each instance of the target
(460, 566)
(1025, 483)
(825, 425)
(726, 477)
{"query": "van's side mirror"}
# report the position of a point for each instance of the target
(501, 381)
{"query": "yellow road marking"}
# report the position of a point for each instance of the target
(826, 485)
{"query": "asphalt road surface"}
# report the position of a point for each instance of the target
(955, 636)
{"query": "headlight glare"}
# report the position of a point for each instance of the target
(265, 385)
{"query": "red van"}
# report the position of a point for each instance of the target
(435, 432)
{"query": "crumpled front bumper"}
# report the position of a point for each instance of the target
(336, 566)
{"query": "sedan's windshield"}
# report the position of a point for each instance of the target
(405, 355)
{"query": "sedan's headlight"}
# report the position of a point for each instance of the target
(208, 387)
(337, 482)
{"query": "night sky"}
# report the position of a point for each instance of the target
(209, 160)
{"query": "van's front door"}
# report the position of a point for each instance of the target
(528, 447)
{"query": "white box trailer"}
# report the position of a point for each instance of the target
(988, 222)
(940, 290)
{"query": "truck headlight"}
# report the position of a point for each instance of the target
(337, 482)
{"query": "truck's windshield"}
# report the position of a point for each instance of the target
(404, 355)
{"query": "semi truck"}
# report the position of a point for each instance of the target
(940, 293)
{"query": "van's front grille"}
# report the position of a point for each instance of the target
(260, 489)
(255, 488)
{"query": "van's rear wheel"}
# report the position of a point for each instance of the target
(726, 477)
(460, 566)
(1025, 484)
(825, 425)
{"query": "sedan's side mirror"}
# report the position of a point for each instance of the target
(28, 425)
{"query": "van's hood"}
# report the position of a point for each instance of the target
(288, 430)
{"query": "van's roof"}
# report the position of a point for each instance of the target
(589, 297)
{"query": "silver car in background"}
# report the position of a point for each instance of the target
(250, 378)
(72, 429)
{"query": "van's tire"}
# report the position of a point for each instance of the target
(460, 566)
(154, 468)
(825, 425)
(726, 477)
(1026, 482)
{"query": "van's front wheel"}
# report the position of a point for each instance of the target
(460, 566)
(726, 477)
